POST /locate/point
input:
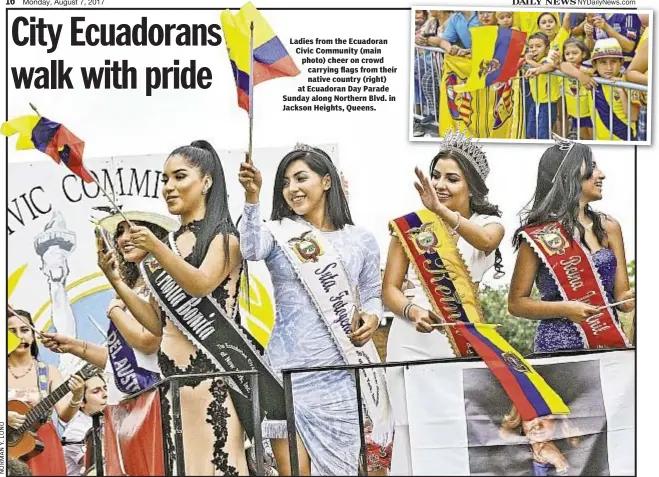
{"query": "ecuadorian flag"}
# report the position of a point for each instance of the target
(528, 391)
(495, 56)
(51, 138)
(271, 60)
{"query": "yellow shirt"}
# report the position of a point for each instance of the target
(557, 43)
(539, 89)
(571, 99)
(602, 123)
(644, 37)
(526, 21)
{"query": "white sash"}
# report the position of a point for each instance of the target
(323, 275)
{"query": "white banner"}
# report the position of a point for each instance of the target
(462, 423)
(52, 251)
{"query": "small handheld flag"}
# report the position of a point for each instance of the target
(12, 342)
(529, 392)
(51, 138)
(495, 56)
(270, 58)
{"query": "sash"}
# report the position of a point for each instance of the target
(219, 337)
(602, 112)
(577, 279)
(442, 272)
(129, 376)
(319, 268)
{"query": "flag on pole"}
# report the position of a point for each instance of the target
(494, 58)
(51, 138)
(271, 60)
(529, 392)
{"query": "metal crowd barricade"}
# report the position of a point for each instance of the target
(428, 60)
(627, 86)
(175, 382)
(362, 469)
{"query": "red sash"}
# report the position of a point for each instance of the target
(578, 280)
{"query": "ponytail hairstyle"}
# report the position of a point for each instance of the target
(202, 156)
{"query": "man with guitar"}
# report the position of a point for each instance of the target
(34, 388)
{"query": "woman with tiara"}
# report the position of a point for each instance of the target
(326, 277)
(458, 221)
(574, 255)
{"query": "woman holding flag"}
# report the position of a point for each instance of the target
(573, 254)
(193, 278)
(326, 276)
(449, 245)
(131, 352)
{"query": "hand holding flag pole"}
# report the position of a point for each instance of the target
(26, 321)
(251, 91)
(611, 305)
(256, 54)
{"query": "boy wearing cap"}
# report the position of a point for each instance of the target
(607, 59)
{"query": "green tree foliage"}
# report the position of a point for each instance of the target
(631, 271)
(519, 332)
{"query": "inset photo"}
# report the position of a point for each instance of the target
(528, 75)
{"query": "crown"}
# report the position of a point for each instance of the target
(457, 141)
(564, 145)
(303, 147)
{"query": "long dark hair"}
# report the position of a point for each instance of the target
(202, 156)
(336, 205)
(579, 43)
(478, 191)
(558, 191)
(129, 271)
(34, 348)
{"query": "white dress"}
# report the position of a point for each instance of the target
(407, 344)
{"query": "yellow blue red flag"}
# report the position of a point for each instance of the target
(496, 112)
(51, 138)
(495, 56)
(271, 60)
(528, 391)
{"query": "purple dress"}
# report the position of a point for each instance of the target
(561, 333)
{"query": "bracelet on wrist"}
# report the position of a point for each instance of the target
(406, 311)
(457, 224)
(76, 403)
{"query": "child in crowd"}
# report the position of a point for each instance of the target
(505, 19)
(545, 89)
(575, 52)
(620, 125)
(556, 36)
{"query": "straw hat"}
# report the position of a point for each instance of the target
(607, 48)
(142, 209)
